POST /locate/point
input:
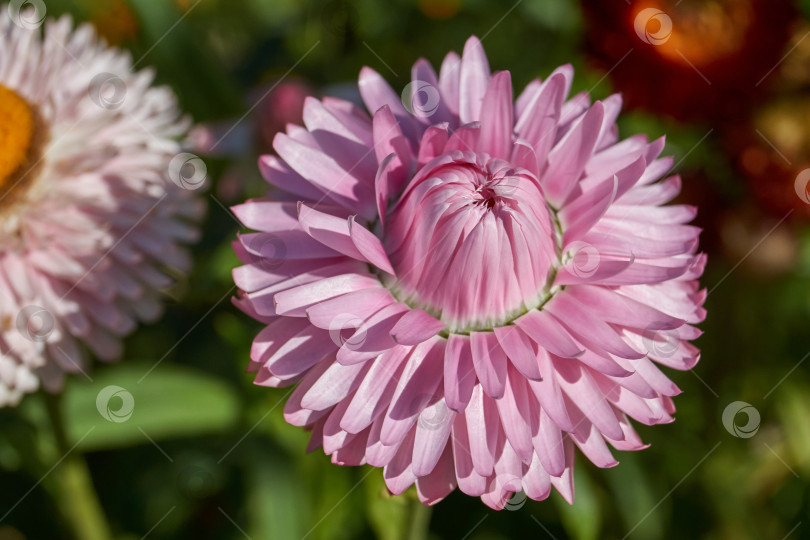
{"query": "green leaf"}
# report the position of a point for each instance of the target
(124, 405)
(794, 410)
(276, 504)
(18, 444)
(634, 497)
(387, 513)
(583, 519)
(555, 14)
(337, 510)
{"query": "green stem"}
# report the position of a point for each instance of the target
(75, 494)
(418, 526)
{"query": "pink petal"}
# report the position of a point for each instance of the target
(567, 160)
(631, 440)
(519, 349)
(449, 82)
(469, 481)
(459, 373)
(329, 230)
(496, 117)
(333, 437)
(348, 311)
(378, 454)
(617, 156)
(515, 410)
(432, 432)
(619, 309)
(523, 156)
(604, 363)
(353, 451)
(264, 300)
(473, 80)
(578, 218)
(415, 327)
(564, 484)
(482, 430)
(613, 106)
(336, 140)
(529, 93)
(538, 122)
(434, 109)
(369, 246)
(548, 392)
(373, 337)
(464, 138)
(374, 394)
(437, 485)
(398, 473)
(433, 142)
(587, 437)
(572, 110)
(588, 328)
(384, 184)
(536, 481)
(299, 353)
(548, 445)
(294, 412)
(279, 174)
(546, 331)
(506, 481)
(295, 301)
(351, 116)
(489, 361)
(278, 246)
(267, 216)
(336, 383)
(580, 387)
(415, 390)
(323, 172)
(587, 266)
(377, 93)
(388, 139)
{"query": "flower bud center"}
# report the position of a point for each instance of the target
(472, 241)
(16, 133)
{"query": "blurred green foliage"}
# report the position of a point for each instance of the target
(208, 455)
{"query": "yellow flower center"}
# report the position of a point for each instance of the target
(16, 133)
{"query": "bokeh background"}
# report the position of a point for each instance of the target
(205, 454)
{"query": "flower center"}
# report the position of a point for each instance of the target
(16, 134)
(472, 241)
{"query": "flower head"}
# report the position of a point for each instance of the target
(466, 287)
(90, 223)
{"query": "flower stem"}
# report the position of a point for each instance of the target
(74, 491)
(419, 521)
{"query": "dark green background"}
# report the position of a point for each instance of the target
(222, 454)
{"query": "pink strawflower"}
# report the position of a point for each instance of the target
(90, 222)
(465, 287)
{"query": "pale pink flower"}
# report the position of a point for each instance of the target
(90, 222)
(507, 273)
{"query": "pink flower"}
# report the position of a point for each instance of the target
(464, 287)
(91, 224)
